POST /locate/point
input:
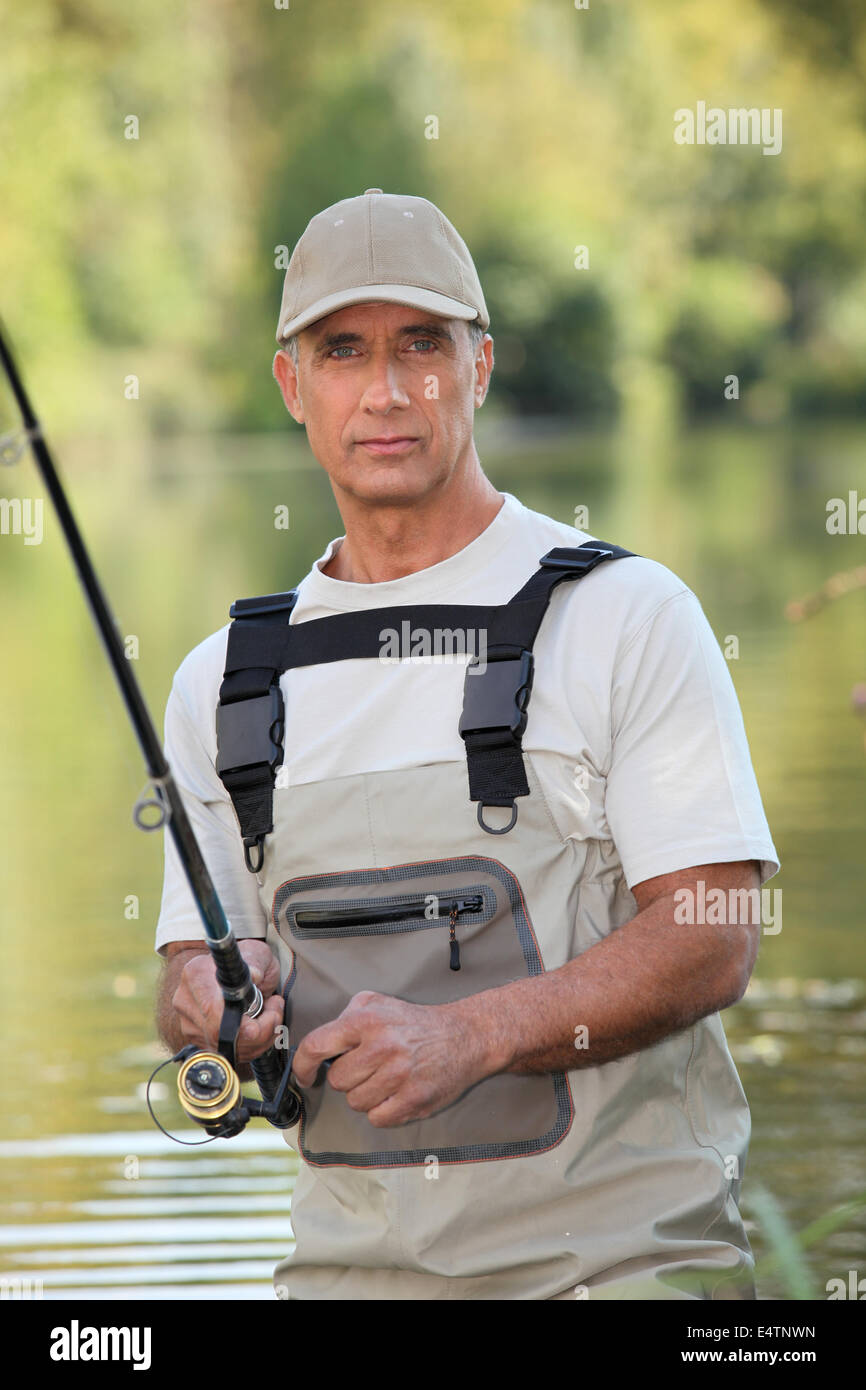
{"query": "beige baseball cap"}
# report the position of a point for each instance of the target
(380, 246)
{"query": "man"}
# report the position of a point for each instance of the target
(515, 1081)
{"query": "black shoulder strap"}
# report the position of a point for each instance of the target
(250, 719)
(496, 693)
(262, 644)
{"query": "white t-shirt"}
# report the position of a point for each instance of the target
(634, 726)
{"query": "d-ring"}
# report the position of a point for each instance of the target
(489, 828)
(254, 842)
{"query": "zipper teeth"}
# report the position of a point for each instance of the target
(469, 902)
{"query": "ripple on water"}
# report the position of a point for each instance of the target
(107, 1216)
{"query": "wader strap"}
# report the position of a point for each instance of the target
(250, 718)
(262, 644)
(496, 693)
(348, 636)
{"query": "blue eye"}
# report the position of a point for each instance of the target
(428, 341)
(344, 347)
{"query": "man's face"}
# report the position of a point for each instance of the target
(387, 394)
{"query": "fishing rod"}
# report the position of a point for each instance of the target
(208, 1083)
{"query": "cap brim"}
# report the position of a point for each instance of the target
(411, 295)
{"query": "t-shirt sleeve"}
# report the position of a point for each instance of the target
(215, 827)
(681, 789)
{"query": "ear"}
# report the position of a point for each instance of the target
(287, 380)
(483, 369)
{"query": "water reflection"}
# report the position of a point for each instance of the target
(141, 1218)
(139, 1221)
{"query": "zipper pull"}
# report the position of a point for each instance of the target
(452, 938)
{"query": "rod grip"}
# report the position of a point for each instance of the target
(233, 976)
(233, 973)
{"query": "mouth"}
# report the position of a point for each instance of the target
(389, 444)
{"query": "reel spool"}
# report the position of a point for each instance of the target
(209, 1090)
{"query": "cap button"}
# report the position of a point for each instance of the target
(371, 190)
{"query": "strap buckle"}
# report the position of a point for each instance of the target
(250, 733)
(496, 695)
(264, 605)
(249, 750)
(557, 559)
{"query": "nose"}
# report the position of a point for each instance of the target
(384, 389)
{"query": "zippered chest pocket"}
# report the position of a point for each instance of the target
(428, 933)
(435, 911)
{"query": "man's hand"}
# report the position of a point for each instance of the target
(398, 1062)
(648, 979)
(191, 994)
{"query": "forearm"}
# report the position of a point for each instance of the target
(647, 980)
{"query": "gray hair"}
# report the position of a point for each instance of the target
(476, 334)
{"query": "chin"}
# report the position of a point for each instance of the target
(389, 485)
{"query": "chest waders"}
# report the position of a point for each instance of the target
(621, 1177)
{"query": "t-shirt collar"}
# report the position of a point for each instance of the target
(434, 582)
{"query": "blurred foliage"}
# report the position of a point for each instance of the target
(786, 1258)
(155, 256)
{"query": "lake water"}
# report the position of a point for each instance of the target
(95, 1202)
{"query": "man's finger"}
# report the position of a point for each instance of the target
(394, 1110)
(352, 1069)
(258, 1034)
(330, 1040)
(267, 979)
(379, 1087)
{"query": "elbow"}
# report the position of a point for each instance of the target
(739, 963)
